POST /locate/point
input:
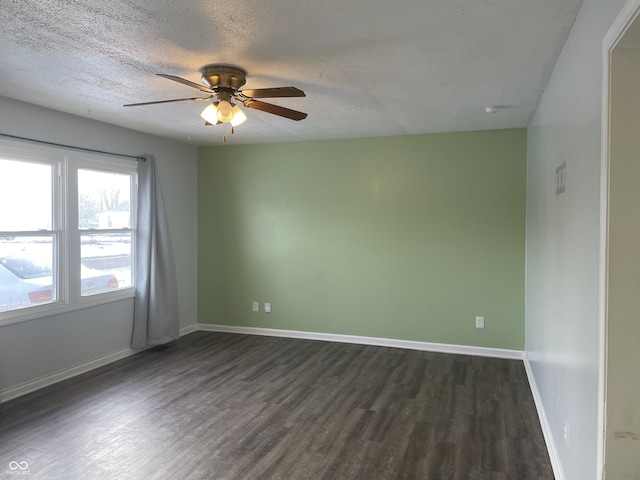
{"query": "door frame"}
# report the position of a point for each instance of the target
(629, 13)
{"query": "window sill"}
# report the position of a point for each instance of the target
(59, 308)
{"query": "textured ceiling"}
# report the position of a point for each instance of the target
(368, 67)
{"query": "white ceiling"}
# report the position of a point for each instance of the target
(368, 67)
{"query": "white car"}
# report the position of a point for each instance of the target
(26, 281)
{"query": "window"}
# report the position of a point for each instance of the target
(67, 230)
(106, 236)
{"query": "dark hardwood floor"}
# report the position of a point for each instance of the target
(226, 406)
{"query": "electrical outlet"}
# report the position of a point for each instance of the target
(267, 308)
(256, 306)
(479, 322)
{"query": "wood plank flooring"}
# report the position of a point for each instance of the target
(227, 406)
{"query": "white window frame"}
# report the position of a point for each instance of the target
(65, 228)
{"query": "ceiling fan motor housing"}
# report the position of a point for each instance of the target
(224, 76)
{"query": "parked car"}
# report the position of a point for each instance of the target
(28, 280)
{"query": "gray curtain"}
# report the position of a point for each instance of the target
(155, 319)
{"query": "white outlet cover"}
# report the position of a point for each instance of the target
(256, 306)
(267, 308)
(479, 322)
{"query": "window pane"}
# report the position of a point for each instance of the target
(26, 271)
(106, 262)
(104, 200)
(25, 196)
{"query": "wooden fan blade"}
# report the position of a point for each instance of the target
(184, 81)
(209, 123)
(275, 109)
(167, 101)
(273, 92)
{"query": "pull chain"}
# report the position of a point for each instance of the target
(224, 137)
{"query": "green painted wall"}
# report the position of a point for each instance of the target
(404, 237)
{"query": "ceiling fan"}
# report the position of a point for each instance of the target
(223, 82)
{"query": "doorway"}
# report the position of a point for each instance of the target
(620, 282)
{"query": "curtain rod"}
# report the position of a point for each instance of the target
(53, 144)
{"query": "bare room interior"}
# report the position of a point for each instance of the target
(327, 240)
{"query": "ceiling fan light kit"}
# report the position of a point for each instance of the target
(224, 81)
(211, 115)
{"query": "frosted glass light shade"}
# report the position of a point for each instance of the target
(210, 114)
(225, 112)
(238, 116)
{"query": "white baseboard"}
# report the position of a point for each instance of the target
(19, 390)
(544, 423)
(34, 385)
(25, 388)
(380, 342)
(188, 329)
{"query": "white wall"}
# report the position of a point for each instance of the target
(37, 348)
(563, 234)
